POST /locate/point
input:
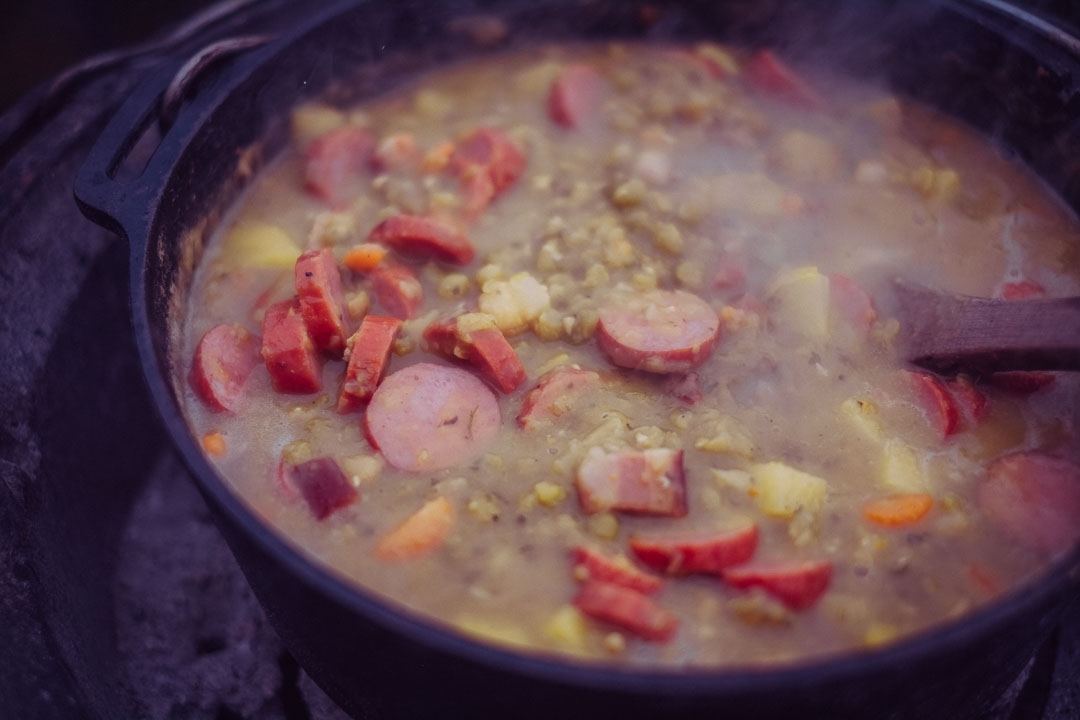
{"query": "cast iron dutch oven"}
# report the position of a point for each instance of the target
(1008, 74)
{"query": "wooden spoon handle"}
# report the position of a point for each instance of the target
(950, 333)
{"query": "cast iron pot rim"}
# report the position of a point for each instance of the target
(950, 637)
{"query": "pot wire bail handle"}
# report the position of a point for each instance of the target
(123, 205)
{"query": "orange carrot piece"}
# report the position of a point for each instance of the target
(898, 510)
(214, 443)
(364, 257)
(420, 533)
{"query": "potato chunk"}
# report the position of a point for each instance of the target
(802, 299)
(783, 490)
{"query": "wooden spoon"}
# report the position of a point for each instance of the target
(950, 333)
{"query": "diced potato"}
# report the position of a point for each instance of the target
(806, 157)
(503, 633)
(296, 452)
(720, 57)
(782, 490)
(357, 304)
(310, 121)
(724, 436)
(863, 417)
(802, 297)
(260, 245)
(514, 303)
(567, 628)
(901, 470)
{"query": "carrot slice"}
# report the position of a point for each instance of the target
(898, 510)
(420, 533)
(364, 257)
(214, 443)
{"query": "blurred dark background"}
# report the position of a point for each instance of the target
(38, 38)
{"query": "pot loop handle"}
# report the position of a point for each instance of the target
(123, 204)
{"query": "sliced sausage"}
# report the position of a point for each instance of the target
(369, 352)
(323, 486)
(684, 554)
(797, 585)
(484, 347)
(318, 285)
(660, 331)
(554, 395)
(428, 417)
(423, 238)
(575, 96)
(766, 73)
(224, 359)
(935, 400)
(643, 482)
(1022, 290)
(618, 571)
(288, 350)
(397, 289)
(331, 159)
(486, 163)
(1035, 498)
(626, 608)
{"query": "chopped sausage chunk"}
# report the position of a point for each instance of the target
(648, 482)
(224, 359)
(661, 331)
(289, 351)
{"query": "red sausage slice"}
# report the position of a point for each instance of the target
(682, 555)
(575, 96)
(397, 289)
(423, 238)
(224, 358)
(797, 585)
(1022, 290)
(288, 350)
(428, 417)
(486, 349)
(628, 609)
(603, 568)
(318, 285)
(496, 360)
(490, 152)
(661, 331)
(332, 158)
(323, 486)
(646, 482)
(766, 73)
(1035, 498)
(554, 395)
(368, 355)
(939, 405)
